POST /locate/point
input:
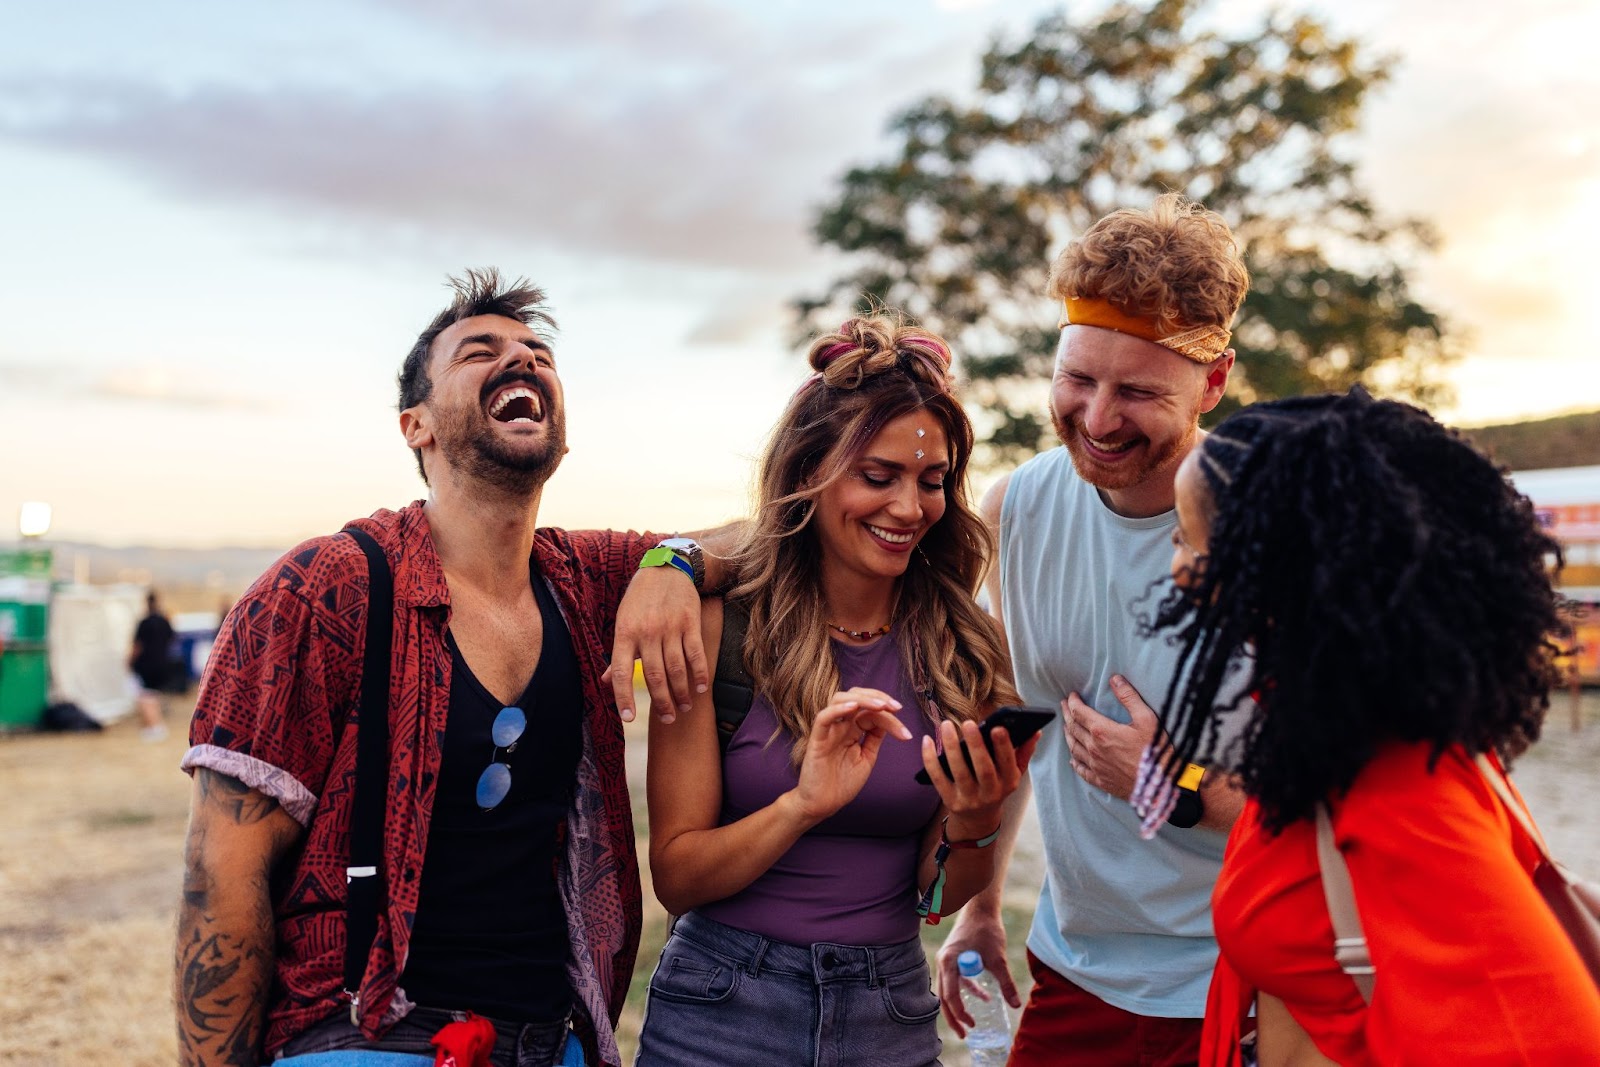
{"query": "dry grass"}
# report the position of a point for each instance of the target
(91, 863)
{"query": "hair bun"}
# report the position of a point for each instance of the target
(869, 345)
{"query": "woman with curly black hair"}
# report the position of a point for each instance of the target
(1385, 589)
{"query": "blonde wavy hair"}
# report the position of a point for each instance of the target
(1176, 265)
(869, 372)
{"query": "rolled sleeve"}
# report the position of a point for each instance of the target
(266, 708)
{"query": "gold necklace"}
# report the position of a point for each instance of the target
(860, 635)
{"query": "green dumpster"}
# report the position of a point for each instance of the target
(24, 623)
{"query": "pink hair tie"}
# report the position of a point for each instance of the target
(834, 351)
(929, 345)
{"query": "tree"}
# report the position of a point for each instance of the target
(958, 229)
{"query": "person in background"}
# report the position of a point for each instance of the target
(796, 857)
(1388, 589)
(150, 660)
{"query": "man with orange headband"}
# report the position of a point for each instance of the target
(1121, 948)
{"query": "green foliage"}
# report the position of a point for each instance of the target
(958, 228)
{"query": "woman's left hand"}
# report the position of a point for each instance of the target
(972, 796)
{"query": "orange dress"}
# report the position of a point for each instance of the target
(1471, 966)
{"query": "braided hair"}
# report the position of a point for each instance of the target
(1378, 578)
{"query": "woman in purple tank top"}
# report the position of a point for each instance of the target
(802, 859)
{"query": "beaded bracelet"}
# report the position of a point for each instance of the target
(932, 903)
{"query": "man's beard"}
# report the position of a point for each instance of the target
(475, 450)
(1122, 476)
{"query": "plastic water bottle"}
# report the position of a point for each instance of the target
(989, 1038)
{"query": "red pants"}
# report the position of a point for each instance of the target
(1063, 1024)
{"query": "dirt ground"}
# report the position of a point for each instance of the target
(90, 865)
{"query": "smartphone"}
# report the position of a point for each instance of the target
(1020, 723)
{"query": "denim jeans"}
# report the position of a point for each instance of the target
(726, 996)
(534, 1045)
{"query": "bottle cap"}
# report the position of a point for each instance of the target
(970, 964)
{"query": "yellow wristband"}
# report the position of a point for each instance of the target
(1190, 778)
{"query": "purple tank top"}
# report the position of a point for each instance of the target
(852, 879)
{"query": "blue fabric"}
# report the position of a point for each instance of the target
(572, 1055)
(724, 995)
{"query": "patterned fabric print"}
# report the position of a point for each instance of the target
(280, 683)
(588, 572)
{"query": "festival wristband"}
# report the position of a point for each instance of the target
(932, 902)
(1189, 809)
(661, 556)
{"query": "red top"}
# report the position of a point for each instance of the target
(1471, 966)
(285, 670)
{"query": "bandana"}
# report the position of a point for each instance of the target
(1203, 344)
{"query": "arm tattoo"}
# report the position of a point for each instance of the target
(223, 963)
(232, 798)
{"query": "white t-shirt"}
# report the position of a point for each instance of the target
(1127, 919)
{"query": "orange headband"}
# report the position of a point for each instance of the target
(1203, 344)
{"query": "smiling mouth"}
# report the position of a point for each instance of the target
(518, 404)
(1106, 448)
(892, 538)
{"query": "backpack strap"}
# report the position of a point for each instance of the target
(364, 877)
(732, 690)
(1349, 939)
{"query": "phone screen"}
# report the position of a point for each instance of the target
(1019, 721)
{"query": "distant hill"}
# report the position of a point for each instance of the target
(189, 579)
(1564, 441)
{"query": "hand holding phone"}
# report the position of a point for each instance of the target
(1019, 722)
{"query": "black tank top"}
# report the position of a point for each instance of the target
(490, 932)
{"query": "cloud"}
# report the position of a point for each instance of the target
(740, 320)
(173, 387)
(146, 384)
(694, 136)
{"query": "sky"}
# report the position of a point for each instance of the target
(222, 225)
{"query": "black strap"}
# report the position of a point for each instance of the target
(732, 690)
(364, 877)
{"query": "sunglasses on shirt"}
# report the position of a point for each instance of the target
(495, 781)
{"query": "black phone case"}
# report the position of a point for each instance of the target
(1021, 722)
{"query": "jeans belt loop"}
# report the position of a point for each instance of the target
(754, 966)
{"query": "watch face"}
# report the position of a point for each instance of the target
(689, 552)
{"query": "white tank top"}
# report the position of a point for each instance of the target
(1128, 920)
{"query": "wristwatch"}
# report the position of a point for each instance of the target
(1190, 809)
(689, 551)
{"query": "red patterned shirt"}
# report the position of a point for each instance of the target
(286, 671)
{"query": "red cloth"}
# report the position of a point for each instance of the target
(464, 1043)
(1471, 966)
(281, 677)
(1064, 1025)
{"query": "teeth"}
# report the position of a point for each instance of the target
(1123, 447)
(512, 394)
(892, 538)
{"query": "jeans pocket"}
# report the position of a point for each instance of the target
(691, 975)
(909, 997)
